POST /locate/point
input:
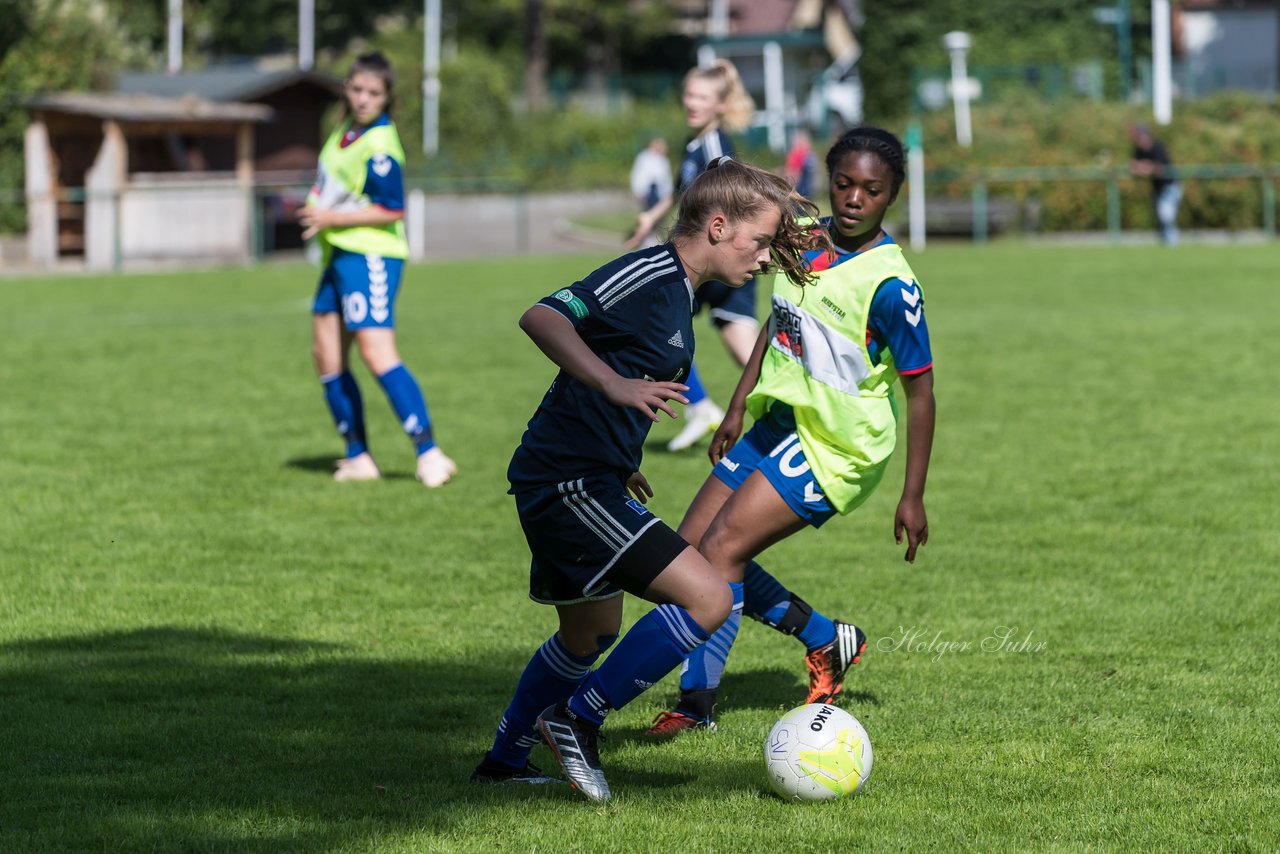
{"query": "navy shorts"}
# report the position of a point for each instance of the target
(591, 540)
(362, 287)
(772, 447)
(727, 304)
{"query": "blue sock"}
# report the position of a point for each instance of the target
(765, 599)
(651, 650)
(704, 666)
(343, 396)
(411, 407)
(696, 392)
(549, 677)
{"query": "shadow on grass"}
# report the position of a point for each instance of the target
(176, 738)
(326, 464)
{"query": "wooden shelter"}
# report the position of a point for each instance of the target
(118, 178)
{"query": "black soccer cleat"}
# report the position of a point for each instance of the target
(491, 771)
(574, 743)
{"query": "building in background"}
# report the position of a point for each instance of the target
(798, 58)
(205, 165)
(1228, 44)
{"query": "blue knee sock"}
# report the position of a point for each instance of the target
(766, 600)
(696, 392)
(704, 666)
(343, 396)
(549, 677)
(651, 650)
(410, 406)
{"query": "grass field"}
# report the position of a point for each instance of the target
(206, 644)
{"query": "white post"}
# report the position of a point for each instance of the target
(774, 93)
(175, 36)
(306, 34)
(915, 186)
(1161, 62)
(958, 44)
(430, 77)
(415, 224)
(718, 19)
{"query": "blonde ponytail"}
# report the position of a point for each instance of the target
(738, 106)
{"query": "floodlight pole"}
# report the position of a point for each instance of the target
(958, 44)
(175, 36)
(1161, 62)
(306, 34)
(430, 77)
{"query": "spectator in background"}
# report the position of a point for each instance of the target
(801, 163)
(651, 183)
(1151, 160)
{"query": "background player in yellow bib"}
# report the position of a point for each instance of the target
(820, 387)
(356, 211)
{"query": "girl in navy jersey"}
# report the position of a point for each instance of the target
(819, 385)
(623, 340)
(714, 100)
(356, 211)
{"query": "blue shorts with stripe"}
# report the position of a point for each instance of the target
(591, 540)
(772, 447)
(362, 287)
(727, 304)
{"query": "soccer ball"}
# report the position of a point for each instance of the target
(817, 752)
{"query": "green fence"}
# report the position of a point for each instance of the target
(1109, 180)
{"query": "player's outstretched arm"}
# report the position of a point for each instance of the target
(910, 519)
(648, 220)
(730, 429)
(556, 337)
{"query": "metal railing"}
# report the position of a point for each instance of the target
(1111, 179)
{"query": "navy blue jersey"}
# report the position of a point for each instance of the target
(700, 151)
(896, 320)
(636, 314)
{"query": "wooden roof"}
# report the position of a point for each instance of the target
(148, 108)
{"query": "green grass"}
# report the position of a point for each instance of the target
(206, 644)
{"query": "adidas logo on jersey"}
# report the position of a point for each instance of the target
(676, 340)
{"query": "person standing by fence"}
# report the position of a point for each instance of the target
(1151, 160)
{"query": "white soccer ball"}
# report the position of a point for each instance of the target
(817, 752)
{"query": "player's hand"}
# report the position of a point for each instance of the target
(726, 435)
(911, 521)
(638, 485)
(643, 227)
(648, 397)
(312, 220)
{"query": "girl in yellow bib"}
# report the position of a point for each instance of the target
(356, 212)
(820, 387)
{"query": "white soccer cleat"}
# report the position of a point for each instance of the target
(435, 469)
(701, 419)
(574, 744)
(359, 467)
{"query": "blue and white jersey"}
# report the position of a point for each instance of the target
(384, 179)
(700, 151)
(636, 314)
(896, 320)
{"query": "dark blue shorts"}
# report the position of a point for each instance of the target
(591, 540)
(362, 287)
(727, 304)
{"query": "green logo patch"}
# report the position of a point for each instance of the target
(577, 306)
